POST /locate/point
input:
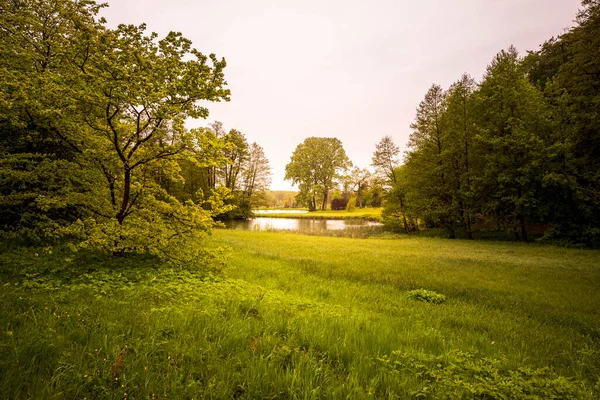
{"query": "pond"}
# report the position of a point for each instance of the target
(298, 224)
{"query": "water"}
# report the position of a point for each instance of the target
(298, 224)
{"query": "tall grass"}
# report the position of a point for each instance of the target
(296, 316)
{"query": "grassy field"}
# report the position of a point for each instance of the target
(295, 316)
(368, 213)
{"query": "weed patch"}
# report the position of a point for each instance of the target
(459, 374)
(428, 296)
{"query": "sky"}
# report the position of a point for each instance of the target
(355, 70)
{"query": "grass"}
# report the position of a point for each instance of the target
(296, 316)
(367, 213)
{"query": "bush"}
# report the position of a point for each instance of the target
(351, 206)
(426, 295)
(339, 204)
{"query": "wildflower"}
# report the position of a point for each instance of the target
(9, 333)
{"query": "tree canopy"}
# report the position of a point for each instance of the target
(316, 165)
(519, 149)
(94, 143)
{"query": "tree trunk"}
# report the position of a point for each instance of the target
(469, 232)
(126, 194)
(324, 204)
(523, 228)
(403, 216)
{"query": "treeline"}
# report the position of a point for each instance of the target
(93, 143)
(241, 167)
(519, 148)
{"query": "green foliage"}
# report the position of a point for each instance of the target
(95, 118)
(517, 151)
(351, 206)
(567, 70)
(385, 159)
(460, 374)
(278, 199)
(428, 296)
(339, 203)
(315, 166)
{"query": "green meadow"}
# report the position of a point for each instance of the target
(304, 317)
(367, 213)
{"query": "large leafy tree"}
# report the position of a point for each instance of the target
(115, 102)
(316, 165)
(427, 167)
(567, 69)
(40, 140)
(458, 156)
(512, 123)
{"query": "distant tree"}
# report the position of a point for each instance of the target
(236, 153)
(374, 195)
(386, 159)
(315, 166)
(360, 183)
(396, 212)
(256, 175)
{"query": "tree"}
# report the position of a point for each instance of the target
(117, 99)
(315, 166)
(386, 162)
(459, 154)
(236, 153)
(385, 159)
(511, 119)
(256, 175)
(567, 70)
(38, 43)
(360, 183)
(426, 167)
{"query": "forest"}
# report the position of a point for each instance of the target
(518, 150)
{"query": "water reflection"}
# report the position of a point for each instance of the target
(297, 224)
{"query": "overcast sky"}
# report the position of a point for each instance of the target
(355, 70)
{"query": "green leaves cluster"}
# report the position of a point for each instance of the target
(459, 374)
(428, 296)
(316, 165)
(92, 131)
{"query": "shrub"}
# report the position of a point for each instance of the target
(426, 295)
(351, 206)
(339, 203)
